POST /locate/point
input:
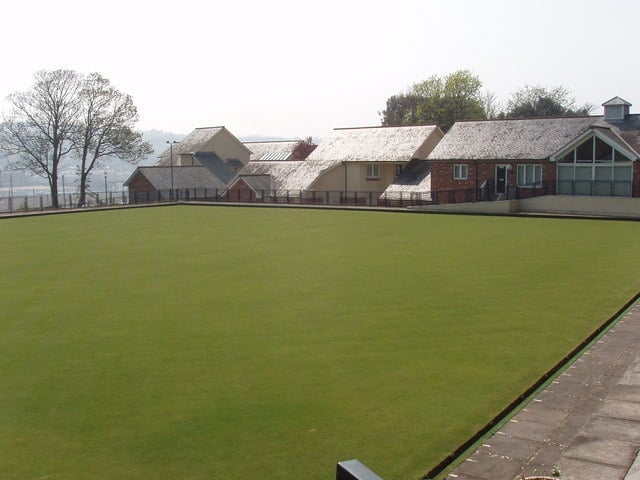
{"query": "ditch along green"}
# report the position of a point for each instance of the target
(195, 342)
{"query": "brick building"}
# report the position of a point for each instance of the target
(495, 159)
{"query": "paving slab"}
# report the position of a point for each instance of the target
(509, 447)
(537, 432)
(620, 409)
(541, 414)
(586, 421)
(571, 469)
(600, 450)
(614, 428)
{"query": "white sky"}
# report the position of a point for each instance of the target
(296, 69)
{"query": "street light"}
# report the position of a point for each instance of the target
(171, 160)
(105, 188)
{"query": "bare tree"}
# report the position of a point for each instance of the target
(39, 129)
(105, 128)
(539, 101)
(491, 105)
(66, 114)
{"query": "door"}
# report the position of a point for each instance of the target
(501, 179)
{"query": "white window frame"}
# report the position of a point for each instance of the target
(373, 171)
(461, 171)
(593, 164)
(529, 182)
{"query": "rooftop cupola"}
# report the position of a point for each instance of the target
(616, 109)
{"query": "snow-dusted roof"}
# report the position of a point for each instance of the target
(276, 150)
(194, 142)
(414, 179)
(525, 139)
(369, 144)
(258, 183)
(372, 144)
(197, 139)
(278, 172)
(616, 101)
(183, 177)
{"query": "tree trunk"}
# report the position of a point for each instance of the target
(83, 190)
(53, 184)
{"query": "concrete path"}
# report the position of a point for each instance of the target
(587, 422)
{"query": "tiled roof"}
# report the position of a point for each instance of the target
(218, 167)
(183, 177)
(278, 172)
(616, 101)
(276, 150)
(534, 138)
(414, 178)
(258, 183)
(525, 139)
(194, 142)
(372, 144)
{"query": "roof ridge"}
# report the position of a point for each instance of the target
(386, 126)
(511, 119)
(273, 141)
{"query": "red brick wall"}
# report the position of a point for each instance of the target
(240, 192)
(139, 183)
(479, 171)
(635, 189)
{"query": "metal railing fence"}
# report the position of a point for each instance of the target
(26, 203)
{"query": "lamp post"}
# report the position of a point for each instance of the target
(105, 188)
(171, 164)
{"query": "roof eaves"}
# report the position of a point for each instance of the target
(616, 101)
(617, 140)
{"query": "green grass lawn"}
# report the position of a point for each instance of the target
(190, 342)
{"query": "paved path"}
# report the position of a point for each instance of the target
(587, 422)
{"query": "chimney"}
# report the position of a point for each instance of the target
(615, 110)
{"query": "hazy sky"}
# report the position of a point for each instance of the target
(296, 69)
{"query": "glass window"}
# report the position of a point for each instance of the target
(620, 157)
(373, 170)
(565, 173)
(604, 151)
(602, 181)
(622, 173)
(398, 169)
(529, 175)
(604, 173)
(583, 178)
(569, 157)
(565, 180)
(584, 151)
(460, 172)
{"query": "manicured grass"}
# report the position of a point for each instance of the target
(224, 343)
